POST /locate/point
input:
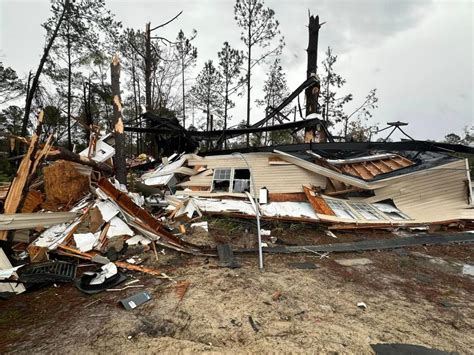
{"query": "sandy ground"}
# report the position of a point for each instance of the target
(410, 298)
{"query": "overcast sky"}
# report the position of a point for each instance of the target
(418, 54)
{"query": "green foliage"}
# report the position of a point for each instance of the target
(86, 39)
(452, 138)
(10, 85)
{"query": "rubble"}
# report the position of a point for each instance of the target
(67, 211)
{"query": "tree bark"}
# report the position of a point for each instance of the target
(34, 85)
(148, 68)
(135, 102)
(119, 161)
(184, 91)
(312, 92)
(248, 89)
(69, 94)
(225, 109)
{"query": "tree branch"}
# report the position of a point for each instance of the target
(164, 24)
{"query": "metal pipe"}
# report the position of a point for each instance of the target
(257, 210)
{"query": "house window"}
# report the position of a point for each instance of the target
(366, 211)
(241, 181)
(391, 211)
(221, 181)
(231, 180)
(341, 209)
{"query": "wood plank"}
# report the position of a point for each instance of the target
(317, 202)
(282, 197)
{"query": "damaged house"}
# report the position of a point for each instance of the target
(381, 189)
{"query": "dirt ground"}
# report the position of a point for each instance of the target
(416, 296)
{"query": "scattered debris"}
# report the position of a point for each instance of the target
(362, 305)
(468, 270)
(201, 225)
(136, 300)
(401, 349)
(226, 256)
(304, 266)
(254, 324)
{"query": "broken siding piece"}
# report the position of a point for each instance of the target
(127, 205)
(33, 220)
(329, 173)
(9, 287)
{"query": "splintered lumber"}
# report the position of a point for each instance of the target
(124, 265)
(317, 202)
(65, 182)
(126, 203)
(15, 194)
(32, 202)
(60, 153)
(139, 268)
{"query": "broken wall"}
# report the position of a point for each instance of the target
(277, 178)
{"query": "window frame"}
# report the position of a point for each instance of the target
(231, 179)
(356, 209)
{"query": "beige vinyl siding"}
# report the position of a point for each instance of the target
(435, 194)
(276, 178)
(203, 179)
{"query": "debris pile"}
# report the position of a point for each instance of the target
(63, 208)
(62, 212)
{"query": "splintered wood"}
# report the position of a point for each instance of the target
(317, 202)
(15, 194)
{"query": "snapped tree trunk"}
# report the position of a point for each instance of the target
(119, 161)
(312, 92)
(34, 85)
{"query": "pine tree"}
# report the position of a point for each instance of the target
(276, 90)
(259, 28)
(186, 54)
(207, 93)
(230, 61)
(333, 106)
(11, 87)
(87, 28)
